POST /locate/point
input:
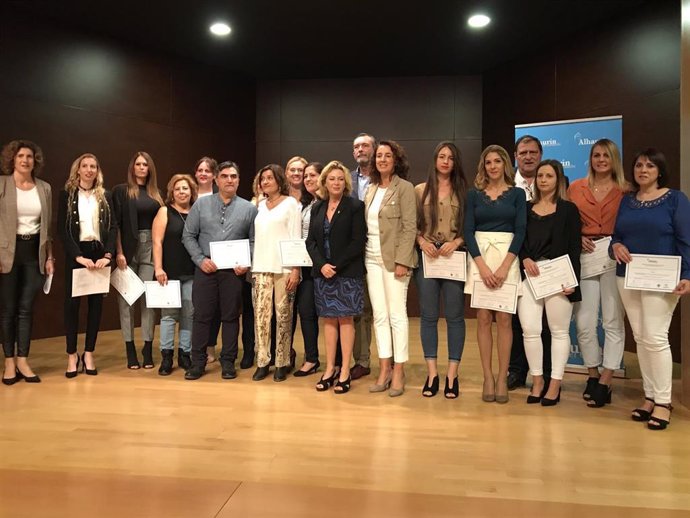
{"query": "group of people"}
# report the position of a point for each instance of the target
(367, 232)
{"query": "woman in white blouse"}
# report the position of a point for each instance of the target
(278, 219)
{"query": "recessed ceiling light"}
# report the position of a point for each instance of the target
(220, 29)
(478, 21)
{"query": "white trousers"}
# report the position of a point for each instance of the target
(388, 296)
(650, 313)
(558, 312)
(600, 291)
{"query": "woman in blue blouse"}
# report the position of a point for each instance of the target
(494, 229)
(652, 209)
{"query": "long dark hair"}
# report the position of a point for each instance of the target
(401, 167)
(458, 183)
(305, 196)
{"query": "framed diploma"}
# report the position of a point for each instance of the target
(167, 296)
(128, 284)
(293, 252)
(597, 262)
(90, 282)
(501, 299)
(230, 254)
(653, 272)
(554, 275)
(452, 267)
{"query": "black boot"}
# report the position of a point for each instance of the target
(184, 360)
(132, 360)
(166, 362)
(147, 353)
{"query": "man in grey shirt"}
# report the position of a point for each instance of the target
(223, 216)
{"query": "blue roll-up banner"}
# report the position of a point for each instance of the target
(570, 142)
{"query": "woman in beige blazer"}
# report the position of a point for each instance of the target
(390, 211)
(25, 252)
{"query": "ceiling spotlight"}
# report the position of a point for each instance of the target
(478, 21)
(220, 29)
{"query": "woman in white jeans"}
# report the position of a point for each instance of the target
(391, 212)
(652, 210)
(553, 230)
(598, 197)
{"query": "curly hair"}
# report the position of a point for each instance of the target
(72, 186)
(401, 166)
(9, 153)
(170, 197)
(481, 180)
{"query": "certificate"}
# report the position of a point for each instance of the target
(554, 275)
(230, 254)
(452, 267)
(597, 262)
(127, 283)
(167, 296)
(293, 252)
(653, 272)
(501, 299)
(90, 282)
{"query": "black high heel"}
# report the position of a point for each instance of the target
(325, 383)
(601, 396)
(430, 390)
(29, 379)
(308, 372)
(656, 423)
(89, 372)
(551, 402)
(73, 374)
(589, 388)
(11, 381)
(147, 355)
(640, 414)
(452, 392)
(132, 360)
(341, 387)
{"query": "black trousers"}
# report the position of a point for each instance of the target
(309, 321)
(221, 289)
(518, 358)
(247, 319)
(18, 290)
(91, 250)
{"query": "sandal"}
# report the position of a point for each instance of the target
(640, 414)
(656, 423)
(341, 387)
(452, 392)
(325, 383)
(430, 390)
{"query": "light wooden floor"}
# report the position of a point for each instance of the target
(135, 444)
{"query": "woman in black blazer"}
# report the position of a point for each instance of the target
(337, 234)
(86, 226)
(553, 230)
(136, 204)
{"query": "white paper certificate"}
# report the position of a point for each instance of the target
(293, 252)
(597, 262)
(127, 283)
(90, 282)
(452, 267)
(501, 299)
(230, 254)
(167, 296)
(554, 275)
(653, 272)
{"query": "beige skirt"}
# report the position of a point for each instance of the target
(493, 247)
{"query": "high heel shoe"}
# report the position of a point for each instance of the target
(452, 392)
(533, 400)
(382, 387)
(430, 389)
(132, 360)
(73, 374)
(85, 369)
(502, 398)
(640, 414)
(656, 423)
(589, 388)
(396, 392)
(29, 379)
(147, 355)
(489, 397)
(601, 396)
(341, 387)
(308, 372)
(11, 381)
(551, 402)
(325, 383)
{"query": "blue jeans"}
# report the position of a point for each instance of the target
(185, 315)
(430, 291)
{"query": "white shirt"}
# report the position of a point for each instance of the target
(373, 247)
(525, 185)
(88, 217)
(202, 194)
(28, 211)
(282, 222)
